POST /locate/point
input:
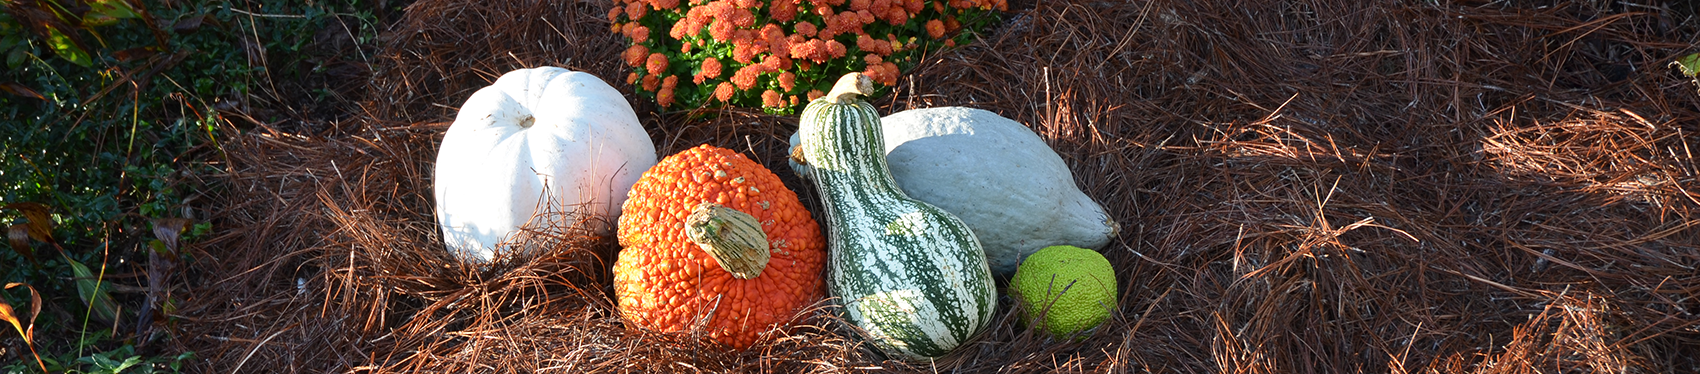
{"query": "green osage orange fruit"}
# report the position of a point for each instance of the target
(1065, 289)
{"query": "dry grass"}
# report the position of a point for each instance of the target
(1312, 186)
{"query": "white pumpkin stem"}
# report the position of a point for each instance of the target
(845, 90)
(735, 239)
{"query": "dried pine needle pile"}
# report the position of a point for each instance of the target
(1305, 186)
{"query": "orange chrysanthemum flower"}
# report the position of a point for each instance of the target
(745, 78)
(744, 35)
(935, 29)
(869, 44)
(787, 80)
(657, 63)
(664, 97)
(772, 38)
(885, 73)
(743, 18)
(879, 6)
(802, 50)
(773, 63)
(875, 72)
(635, 55)
(724, 91)
(815, 94)
(847, 21)
(636, 10)
(650, 82)
(835, 48)
(710, 68)
(743, 51)
(720, 30)
(897, 16)
(771, 99)
(829, 27)
(782, 10)
(814, 49)
(806, 29)
(689, 26)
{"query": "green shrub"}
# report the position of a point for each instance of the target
(110, 116)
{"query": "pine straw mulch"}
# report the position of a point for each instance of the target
(1321, 186)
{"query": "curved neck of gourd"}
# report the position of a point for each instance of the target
(857, 158)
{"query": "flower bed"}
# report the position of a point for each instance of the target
(779, 54)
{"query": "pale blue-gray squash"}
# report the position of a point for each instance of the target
(998, 176)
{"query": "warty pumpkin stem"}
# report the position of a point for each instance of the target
(735, 239)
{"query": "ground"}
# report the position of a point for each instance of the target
(1316, 186)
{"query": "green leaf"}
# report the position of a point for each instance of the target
(15, 58)
(109, 365)
(1689, 65)
(107, 12)
(100, 302)
(65, 48)
(177, 362)
(9, 26)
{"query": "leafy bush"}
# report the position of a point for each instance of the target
(110, 116)
(779, 54)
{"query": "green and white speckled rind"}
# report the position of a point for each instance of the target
(912, 276)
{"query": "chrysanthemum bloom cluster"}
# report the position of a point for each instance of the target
(779, 54)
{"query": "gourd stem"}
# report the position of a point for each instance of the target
(848, 86)
(735, 239)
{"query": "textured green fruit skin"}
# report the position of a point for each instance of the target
(910, 275)
(1073, 288)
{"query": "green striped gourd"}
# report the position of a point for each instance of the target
(910, 275)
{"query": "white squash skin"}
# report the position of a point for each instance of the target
(584, 144)
(997, 176)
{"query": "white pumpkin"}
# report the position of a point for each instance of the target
(536, 136)
(997, 176)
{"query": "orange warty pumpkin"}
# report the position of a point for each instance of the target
(666, 282)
